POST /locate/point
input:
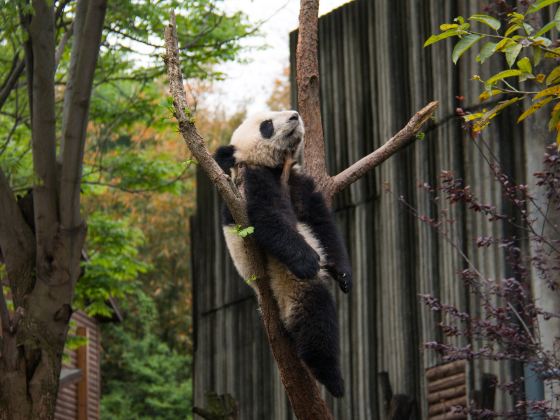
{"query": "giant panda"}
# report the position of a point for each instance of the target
(297, 231)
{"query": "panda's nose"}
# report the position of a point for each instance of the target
(294, 117)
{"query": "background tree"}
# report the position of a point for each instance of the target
(59, 61)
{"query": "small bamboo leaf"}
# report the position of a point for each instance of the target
(512, 52)
(539, 5)
(557, 19)
(553, 76)
(558, 140)
(487, 20)
(463, 45)
(534, 108)
(486, 51)
(435, 38)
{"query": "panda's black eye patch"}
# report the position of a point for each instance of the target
(267, 129)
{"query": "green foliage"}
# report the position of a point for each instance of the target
(243, 232)
(523, 47)
(142, 377)
(112, 266)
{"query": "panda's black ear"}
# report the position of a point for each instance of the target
(224, 157)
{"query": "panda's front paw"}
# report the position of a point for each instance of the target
(307, 266)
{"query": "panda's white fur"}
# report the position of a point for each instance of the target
(285, 286)
(306, 307)
(252, 150)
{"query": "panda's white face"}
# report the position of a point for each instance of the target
(264, 138)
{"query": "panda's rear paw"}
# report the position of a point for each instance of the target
(342, 277)
(307, 266)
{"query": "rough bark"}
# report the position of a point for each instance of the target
(309, 107)
(42, 255)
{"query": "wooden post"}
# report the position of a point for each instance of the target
(82, 362)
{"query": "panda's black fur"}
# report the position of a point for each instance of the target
(299, 233)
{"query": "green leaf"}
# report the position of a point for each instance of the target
(448, 26)
(528, 28)
(525, 65)
(502, 75)
(549, 26)
(512, 29)
(243, 232)
(463, 45)
(486, 51)
(487, 20)
(553, 76)
(540, 4)
(512, 52)
(537, 55)
(534, 108)
(435, 38)
(557, 19)
(504, 43)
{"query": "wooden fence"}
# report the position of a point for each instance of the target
(375, 74)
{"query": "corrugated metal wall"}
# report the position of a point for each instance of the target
(374, 76)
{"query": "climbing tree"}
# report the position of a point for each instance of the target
(300, 387)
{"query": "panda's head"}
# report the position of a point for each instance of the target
(264, 139)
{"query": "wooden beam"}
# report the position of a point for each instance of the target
(82, 361)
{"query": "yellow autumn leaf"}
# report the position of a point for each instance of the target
(534, 108)
(488, 94)
(553, 90)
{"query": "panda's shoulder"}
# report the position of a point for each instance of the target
(300, 182)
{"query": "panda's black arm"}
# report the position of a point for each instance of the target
(273, 218)
(313, 211)
(224, 157)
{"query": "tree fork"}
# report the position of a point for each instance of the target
(301, 388)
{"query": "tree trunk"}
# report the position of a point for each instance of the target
(42, 236)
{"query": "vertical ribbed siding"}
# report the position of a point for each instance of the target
(375, 74)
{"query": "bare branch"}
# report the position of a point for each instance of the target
(11, 79)
(403, 138)
(194, 141)
(77, 107)
(62, 45)
(300, 386)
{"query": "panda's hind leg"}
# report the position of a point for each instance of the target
(313, 327)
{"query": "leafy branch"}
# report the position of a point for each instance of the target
(526, 50)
